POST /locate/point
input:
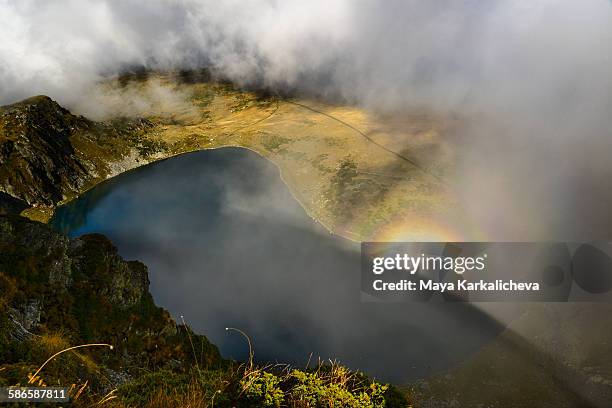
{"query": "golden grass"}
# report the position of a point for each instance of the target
(33, 378)
(306, 139)
(277, 385)
(194, 397)
(52, 342)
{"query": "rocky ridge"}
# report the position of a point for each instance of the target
(82, 289)
(49, 155)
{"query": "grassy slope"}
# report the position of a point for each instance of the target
(555, 355)
(310, 142)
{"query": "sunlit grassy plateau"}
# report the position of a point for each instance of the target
(352, 171)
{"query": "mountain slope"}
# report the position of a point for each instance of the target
(82, 291)
(39, 164)
(48, 155)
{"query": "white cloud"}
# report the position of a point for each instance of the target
(535, 73)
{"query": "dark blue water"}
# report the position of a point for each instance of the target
(227, 245)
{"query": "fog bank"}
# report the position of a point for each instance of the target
(531, 80)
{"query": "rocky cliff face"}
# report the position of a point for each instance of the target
(56, 291)
(39, 164)
(48, 154)
(82, 288)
